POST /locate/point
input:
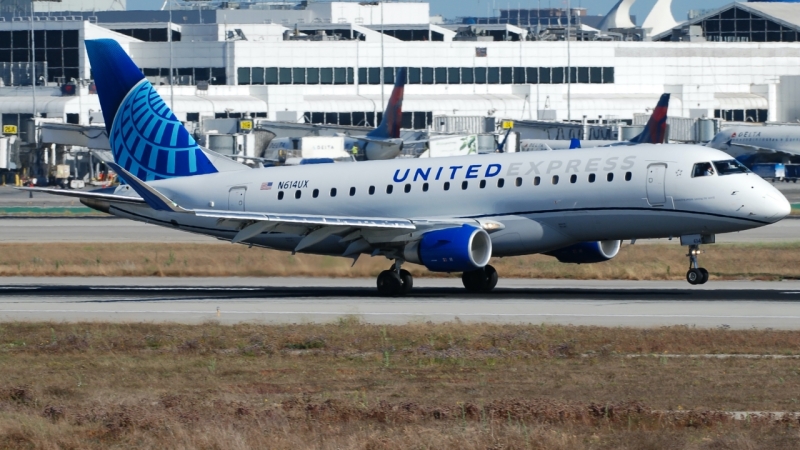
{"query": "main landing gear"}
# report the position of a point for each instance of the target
(695, 275)
(395, 281)
(481, 280)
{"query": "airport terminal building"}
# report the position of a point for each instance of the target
(321, 62)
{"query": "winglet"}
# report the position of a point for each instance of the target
(655, 132)
(152, 197)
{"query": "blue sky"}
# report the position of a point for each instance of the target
(458, 8)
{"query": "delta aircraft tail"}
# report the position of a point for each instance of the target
(389, 127)
(146, 138)
(655, 132)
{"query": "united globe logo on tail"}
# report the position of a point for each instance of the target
(149, 141)
(145, 136)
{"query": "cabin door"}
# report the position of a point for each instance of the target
(236, 199)
(656, 194)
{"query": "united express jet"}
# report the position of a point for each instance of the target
(450, 214)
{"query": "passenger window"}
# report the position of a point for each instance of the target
(425, 187)
(519, 182)
(352, 191)
(483, 184)
(446, 185)
(537, 181)
(389, 189)
(315, 194)
(592, 177)
(501, 182)
(280, 195)
(333, 192)
(628, 176)
(610, 176)
(555, 179)
(407, 188)
(703, 169)
(464, 185)
(371, 190)
(298, 193)
(573, 179)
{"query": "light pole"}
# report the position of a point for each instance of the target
(569, 62)
(33, 62)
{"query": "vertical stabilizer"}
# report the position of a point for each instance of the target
(655, 132)
(146, 138)
(392, 121)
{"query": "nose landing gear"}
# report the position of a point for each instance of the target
(696, 275)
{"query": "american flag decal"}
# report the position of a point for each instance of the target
(266, 186)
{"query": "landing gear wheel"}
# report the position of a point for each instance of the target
(704, 272)
(389, 284)
(491, 278)
(694, 276)
(480, 280)
(408, 281)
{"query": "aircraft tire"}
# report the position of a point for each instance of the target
(694, 276)
(389, 284)
(408, 281)
(704, 272)
(491, 278)
(474, 280)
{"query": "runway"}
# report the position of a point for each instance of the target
(298, 300)
(113, 230)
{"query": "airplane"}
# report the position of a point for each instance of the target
(778, 143)
(381, 143)
(655, 132)
(450, 215)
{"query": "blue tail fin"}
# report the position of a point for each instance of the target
(393, 117)
(574, 143)
(146, 138)
(655, 132)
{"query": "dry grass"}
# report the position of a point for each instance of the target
(352, 385)
(637, 262)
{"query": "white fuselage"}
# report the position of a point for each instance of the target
(746, 140)
(652, 195)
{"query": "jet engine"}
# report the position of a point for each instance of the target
(587, 252)
(451, 249)
(382, 150)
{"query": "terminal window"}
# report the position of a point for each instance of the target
(425, 75)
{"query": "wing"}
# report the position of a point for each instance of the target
(754, 148)
(362, 234)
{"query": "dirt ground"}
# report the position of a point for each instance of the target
(353, 385)
(634, 262)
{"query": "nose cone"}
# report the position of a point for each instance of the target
(779, 205)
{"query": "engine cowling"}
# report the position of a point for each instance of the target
(587, 252)
(374, 151)
(451, 250)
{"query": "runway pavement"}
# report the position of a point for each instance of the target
(121, 230)
(296, 300)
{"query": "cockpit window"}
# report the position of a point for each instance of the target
(703, 169)
(730, 167)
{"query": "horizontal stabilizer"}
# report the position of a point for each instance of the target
(94, 195)
(152, 197)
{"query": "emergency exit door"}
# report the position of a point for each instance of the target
(236, 199)
(656, 194)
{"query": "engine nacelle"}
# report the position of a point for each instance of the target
(587, 252)
(451, 250)
(374, 151)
